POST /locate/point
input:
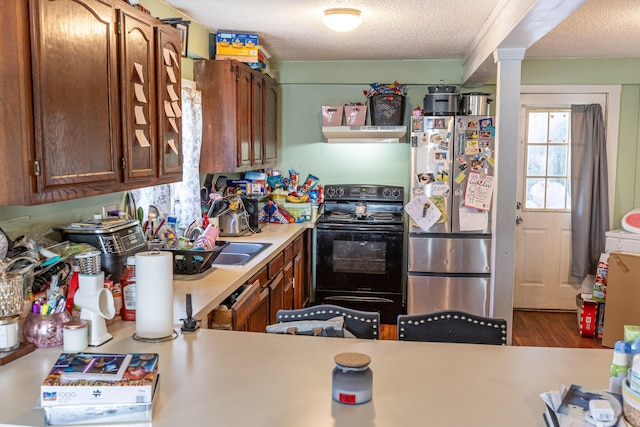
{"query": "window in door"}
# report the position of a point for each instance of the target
(547, 183)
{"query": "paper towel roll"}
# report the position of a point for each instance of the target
(154, 299)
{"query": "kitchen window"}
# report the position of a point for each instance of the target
(547, 183)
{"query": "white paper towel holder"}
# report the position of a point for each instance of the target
(171, 337)
(136, 336)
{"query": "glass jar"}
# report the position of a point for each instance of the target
(45, 331)
(76, 336)
(352, 380)
(11, 293)
(9, 337)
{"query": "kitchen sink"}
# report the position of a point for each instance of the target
(239, 253)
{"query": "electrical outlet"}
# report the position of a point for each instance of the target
(108, 208)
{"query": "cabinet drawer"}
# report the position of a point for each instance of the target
(245, 305)
(275, 265)
(261, 276)
(288, 253)
(298, 245)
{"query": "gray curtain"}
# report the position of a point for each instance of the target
(589, 188)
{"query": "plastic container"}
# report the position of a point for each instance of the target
(332, 115)
(634, 374)
(75, 336)
(352, 381)
(355, 115)
(386, 110)
(619, 367)
(630, 405)
(128, 289)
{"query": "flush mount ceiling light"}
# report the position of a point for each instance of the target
(342, 19)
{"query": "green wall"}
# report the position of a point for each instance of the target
(305, 86)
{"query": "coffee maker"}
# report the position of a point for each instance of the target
(252, 207)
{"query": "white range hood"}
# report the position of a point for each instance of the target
(389, 134)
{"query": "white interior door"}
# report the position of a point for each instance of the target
(543, 231)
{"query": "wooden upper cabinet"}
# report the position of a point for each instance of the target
(243, 115)
(257, 127)
(169, 104)
(70, 71)
(234, 111)
(75, 95)
(138, 89)
(270, 121)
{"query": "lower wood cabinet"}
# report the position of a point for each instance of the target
(283, 283)
(302, 270)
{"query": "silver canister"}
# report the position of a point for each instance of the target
(475, 104)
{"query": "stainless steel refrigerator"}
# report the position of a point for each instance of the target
(449, 209)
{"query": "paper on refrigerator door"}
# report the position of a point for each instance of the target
(479, 191)
(423, 211)
(472, 219)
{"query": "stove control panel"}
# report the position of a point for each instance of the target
(373, 193)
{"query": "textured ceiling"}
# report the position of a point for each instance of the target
(292, 30)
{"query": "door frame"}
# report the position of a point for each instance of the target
(611, 115)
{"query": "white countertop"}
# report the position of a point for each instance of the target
(209, 291)
(243, 379)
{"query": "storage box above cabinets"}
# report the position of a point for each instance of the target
(239, 115)
(86, 116)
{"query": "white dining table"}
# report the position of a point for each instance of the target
(227, 378)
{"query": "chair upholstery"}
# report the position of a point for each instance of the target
(362, 324)
(452, 326)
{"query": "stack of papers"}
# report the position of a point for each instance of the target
(569, 407)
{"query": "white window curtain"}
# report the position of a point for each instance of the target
(181, 198)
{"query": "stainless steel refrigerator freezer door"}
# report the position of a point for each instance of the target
(431, 151)
(428, 294)
(473, 153)
(450, 254)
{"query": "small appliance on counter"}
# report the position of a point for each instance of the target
(116, 239)
(233, 224)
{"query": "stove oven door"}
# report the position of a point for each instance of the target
(357, 260)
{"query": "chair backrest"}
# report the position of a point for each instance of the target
(452, 326)
(362, 324)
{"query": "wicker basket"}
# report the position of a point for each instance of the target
(387, 110)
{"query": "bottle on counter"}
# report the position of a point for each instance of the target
(128, 289)
(619, 366)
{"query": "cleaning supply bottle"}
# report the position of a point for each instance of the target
(619, 366)
(128, 289)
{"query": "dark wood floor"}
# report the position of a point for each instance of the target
(536, 328)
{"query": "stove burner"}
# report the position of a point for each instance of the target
(340, 215)
(381, 216)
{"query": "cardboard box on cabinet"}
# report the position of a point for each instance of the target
(237, 44)
(623, 296)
